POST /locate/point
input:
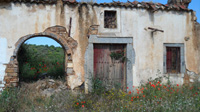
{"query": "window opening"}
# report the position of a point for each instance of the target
(173, 60)
(110, 19)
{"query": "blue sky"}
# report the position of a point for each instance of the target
(195, 5)
(43, 41)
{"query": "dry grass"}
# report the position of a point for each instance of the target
(153, 96)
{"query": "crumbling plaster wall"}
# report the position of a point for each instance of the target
(83, 16)
(18, 20)
(197, 29)
(149, 48)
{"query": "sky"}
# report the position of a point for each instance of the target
(194, 5)
(43, 41)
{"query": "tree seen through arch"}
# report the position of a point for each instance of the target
(40, 57)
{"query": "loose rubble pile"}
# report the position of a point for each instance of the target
(50, 87)
(46, 87)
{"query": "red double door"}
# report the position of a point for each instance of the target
(110, 63)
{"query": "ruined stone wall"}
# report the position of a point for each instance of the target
(193, 76)
(177, 27)
(197, 31)
(20, 19)
(179, 2)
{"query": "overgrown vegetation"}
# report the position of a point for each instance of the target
(119, 55)
(36, 62)
(150, 97)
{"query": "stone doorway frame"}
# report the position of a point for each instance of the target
(89, 59)
(57, 33)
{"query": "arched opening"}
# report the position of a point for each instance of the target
(40, 58)
(57, 33)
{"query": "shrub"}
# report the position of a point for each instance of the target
(40, 61)
(98, 86)
(9, 100)
(28, 72)
(152, 96)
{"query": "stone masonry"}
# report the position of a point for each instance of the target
(59, 34)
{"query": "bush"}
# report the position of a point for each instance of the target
(98, 86)
(9, 100)
(101, 85)
(28, 72)
(40, 61)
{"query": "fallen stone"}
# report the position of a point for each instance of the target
(191, 80)
(48, 92)
(51, 80)
(62, 87)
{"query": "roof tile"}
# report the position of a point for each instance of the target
(147, 5)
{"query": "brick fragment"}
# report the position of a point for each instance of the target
(11, 70)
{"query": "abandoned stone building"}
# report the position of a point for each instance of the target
(154, 39)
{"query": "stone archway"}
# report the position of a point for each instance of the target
(59, 34)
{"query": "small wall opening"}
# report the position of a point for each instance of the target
(110, 19)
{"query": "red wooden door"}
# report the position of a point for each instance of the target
(111, 71)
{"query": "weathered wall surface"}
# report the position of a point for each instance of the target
(197, 29)
(3, 48)
(149, 48)
(18, 20)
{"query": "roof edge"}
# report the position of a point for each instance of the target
(144, 5)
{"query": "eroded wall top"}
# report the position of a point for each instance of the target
(40, 1)
(172, 4)
(179, 2)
